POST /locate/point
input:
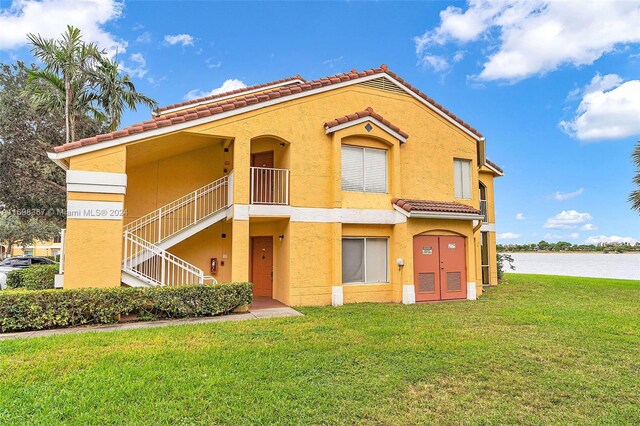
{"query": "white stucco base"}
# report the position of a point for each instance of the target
(58, 281)
(471, 291)
(408, 295)
(337, 296)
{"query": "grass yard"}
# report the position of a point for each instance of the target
(536, 350)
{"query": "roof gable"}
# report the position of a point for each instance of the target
(223, 108)
(366, 115)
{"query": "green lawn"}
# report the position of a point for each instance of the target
(536, 350)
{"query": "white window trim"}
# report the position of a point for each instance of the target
(364, 168)
(364, 254)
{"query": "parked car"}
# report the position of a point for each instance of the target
(19, 262)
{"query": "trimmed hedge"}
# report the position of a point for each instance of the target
(22, 310)
(37, 277)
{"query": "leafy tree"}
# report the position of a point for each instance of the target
(116, 92)
(543, 245)
(634, 197)
(67, 65)
(80, 79)
(28, 179)
(14, 230)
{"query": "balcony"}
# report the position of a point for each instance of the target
(269, 186)
(483, 210)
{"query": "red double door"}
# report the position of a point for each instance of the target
(440, 271)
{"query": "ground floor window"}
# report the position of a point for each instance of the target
(365, 260)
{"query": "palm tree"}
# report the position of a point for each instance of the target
(116, 91)
(71, 58)
(634, 197)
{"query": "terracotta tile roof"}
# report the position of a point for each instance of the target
(200, 111)
(494, 165)
(368, 112)
(232, 92)
(433, 206)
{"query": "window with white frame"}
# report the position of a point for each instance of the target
(365, 260)
(462, 178)
(364, 169)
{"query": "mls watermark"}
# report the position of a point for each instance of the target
(77, 213)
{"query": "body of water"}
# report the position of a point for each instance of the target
(598, 265)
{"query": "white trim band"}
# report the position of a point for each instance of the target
(95, 210)
(319, 215)
(96, 182)
(488, 227)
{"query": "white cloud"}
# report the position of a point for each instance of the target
(183, 39)
(589, 227)
(211, 63)
(139, 69)
(610, 239)
(609, 109)
(535, 37)
(508, 236)
(520, 216)
(559, 196)
(332, 62)
(569, 219)
(227, 86)
(571, 236)
(50, 18)
(145, 37)
(458, 56)
(438, 63)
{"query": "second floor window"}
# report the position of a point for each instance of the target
(364, 169)
(462, 179)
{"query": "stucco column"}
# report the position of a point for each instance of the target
(337, 295)
(240, 250)
(241, 166)
(96, 186)
(403, 290)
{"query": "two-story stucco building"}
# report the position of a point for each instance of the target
(351, 188)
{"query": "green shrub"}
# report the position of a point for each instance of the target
(38, 277)
(14, 279)
(42, 309)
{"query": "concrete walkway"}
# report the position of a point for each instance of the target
(266, 312)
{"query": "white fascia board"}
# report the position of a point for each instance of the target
(53, 157)
(444, 215)
(401, 210)
(222, 98)
(384, 127)
(493, 169)
(248, 108)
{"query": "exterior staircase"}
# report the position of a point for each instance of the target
(146, 261)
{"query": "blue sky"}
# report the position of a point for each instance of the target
(555, 88)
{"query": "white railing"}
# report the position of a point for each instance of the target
(182, 213)
(483, 210)
(269, 186)
(158, 266)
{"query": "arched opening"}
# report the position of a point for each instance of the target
(269, 171)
